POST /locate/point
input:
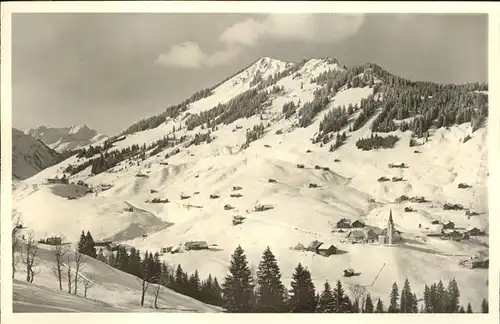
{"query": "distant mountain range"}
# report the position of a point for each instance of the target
(66, 138)
(30, 156)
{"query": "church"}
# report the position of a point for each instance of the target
(389, 234)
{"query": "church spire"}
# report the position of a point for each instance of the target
(390, 217)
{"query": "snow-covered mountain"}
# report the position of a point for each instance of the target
(30, 156)
(66, 138)
(300, 139)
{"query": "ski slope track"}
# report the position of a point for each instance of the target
(300, 214)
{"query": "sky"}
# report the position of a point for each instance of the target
(109, 70)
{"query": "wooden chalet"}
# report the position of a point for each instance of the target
(358, 224)
(55, 180)
(196, 245)
(448, 225)
(344, 223)
(475, 232)
(326, 250)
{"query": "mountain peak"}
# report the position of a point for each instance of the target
(66, 138)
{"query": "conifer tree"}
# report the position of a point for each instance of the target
(135, 262)
(341, 300)
(469, 308)
(368, 307)
(394, 298)
(355, 307)
(433, 298)
(271, 293)
(90, 246)
(82, 244)
(303, 295)
(206, 289)
(238, 286)
(325, 301)
(100, 256)
(195, 285)
(406, 304)
(414, 303)
(440, 302)
(380, 306)
(427, 300)
(179, 280)
(217, 293)
(452, 297)
(462, 310)
(484, 306)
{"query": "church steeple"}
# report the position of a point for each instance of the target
(390, 228)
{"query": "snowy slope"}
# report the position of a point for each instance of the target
(30, 155)
(113, 291)
(66, 138)
(349, 189)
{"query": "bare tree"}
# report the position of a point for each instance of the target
(68, 268)
(79, 264)
(144, 281)
(157, 293)
(358, 293)
(60, 251)
(163, 281)
(28, 256)
(16, 228)
(88, 283)
(144, 287)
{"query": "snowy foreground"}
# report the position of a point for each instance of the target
(113, 291)
(349, 189)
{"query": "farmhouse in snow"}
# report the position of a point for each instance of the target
(322, 249)
(344, 223)
(196, 245)
(55, 180)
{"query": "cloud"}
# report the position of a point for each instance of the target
(316, 28)
(186, 55)
(189, 55)
(307, 28)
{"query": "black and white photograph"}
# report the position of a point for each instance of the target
(249, 162)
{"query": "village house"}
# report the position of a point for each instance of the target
(475, 262)
(55, 180)
(321, 249)
(196, 245)
(344, 223)
(475, 232)
(313, 246)
(448, 225)
(455, 236)
(237, 220)
(363, 235)
(356, 236)
(54, 240)
(166, 249)
(326, 250)
(435, 222)
(358, 224)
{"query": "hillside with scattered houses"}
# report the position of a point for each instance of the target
(362, 177)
